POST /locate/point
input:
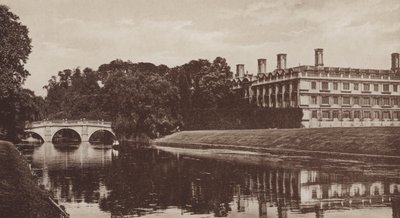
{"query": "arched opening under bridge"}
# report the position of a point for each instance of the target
(66, 136)
(102, 137)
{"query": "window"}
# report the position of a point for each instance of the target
(346, 114)
(386, 101)
(346, 86)
(313, 85)
(376, 190)
(355, 86)
(367, 101)
(335, 86)
(385, 87)
(325, 100)
(375, 101)
(386, 115)
(325, 114)
(396, 114)
(376, 87)
(367, 114)
(335, 114)
(313, 99)
(357, 115)
(366, 87)
(314, 194)
(394, 88)
(335, 100)
(346, 100)
(314, 114)
(395, 101)
(376, 115)
(357, 191)
(325, 85)
(356, 100)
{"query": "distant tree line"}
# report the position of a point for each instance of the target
(144, 100)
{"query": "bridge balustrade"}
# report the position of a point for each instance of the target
(60, 122)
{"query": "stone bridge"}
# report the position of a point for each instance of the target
(46, 129)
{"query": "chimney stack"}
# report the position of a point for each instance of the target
(240, 70)
(262, 65)
(395, 61)
(319, 57)
(281, 61)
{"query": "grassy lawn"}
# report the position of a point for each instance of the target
(363, 140)
(19, 194)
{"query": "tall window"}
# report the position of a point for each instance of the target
(396, 114)
(325, 85)
(385, 87)
(313, 85)
(375, 101)
(346, 114)
(314, 194)
(357, 115)
(386, 115)
(325, 114)
(346, 100)
(335, 100)
(366, 101)
(367, 114)
(366, 87)
(335, 86)
(376, 87)
(386, 101)
(395, 88)
(314, 114)
(346, 86)
(355, 86)
(335, 114)
(356, 100)
(313, 99)
(376, 115)
(325, 100)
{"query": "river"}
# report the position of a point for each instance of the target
(97, 181)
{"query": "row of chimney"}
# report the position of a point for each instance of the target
(319, 62)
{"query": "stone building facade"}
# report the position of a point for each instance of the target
(328, 96)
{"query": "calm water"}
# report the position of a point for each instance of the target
(96, 181)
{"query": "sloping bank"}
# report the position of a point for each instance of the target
(364, 141)
(19, 194)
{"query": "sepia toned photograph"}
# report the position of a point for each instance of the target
(200, 108)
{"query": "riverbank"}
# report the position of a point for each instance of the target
(366, 141)
(19, 194)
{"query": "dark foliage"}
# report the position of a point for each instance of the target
(244, 117)
(17, 104)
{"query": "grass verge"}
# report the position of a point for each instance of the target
(363, 140)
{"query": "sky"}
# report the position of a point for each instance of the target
(73, 33)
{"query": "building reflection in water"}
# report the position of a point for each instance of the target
(148, 181)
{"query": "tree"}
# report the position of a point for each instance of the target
(141, 101)
(15, 46)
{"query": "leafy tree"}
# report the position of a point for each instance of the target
(140, 100)
(15, 46)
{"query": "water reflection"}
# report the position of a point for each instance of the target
(95, 180)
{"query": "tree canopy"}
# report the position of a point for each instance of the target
(17, 104)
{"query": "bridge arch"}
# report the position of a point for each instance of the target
(35, 133)
(68, 129)
(108, 131)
